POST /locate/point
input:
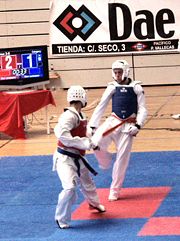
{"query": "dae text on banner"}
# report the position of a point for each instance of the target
(105, 27)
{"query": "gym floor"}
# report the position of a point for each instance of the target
(160, 132)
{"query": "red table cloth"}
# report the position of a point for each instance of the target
(15, 105)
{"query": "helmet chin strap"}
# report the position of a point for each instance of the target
(123, 81)
(125, 78)
(83, 104)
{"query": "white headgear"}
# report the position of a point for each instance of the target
(77, 93)
(121, 64)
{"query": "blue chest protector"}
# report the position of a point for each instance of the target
(124, 102)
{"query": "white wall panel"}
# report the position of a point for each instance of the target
(86, 78)
(2, 4)
(158, 75)
(3, 17)
(26, 16)
(3, 30)
(157, 60)
(29, 28)
(87, 63)
(30, 4)
(3, 42)
(18, 41)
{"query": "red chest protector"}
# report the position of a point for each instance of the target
(78, 131)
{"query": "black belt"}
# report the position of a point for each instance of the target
(76, 160)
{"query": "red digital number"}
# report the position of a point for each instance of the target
(9, 62)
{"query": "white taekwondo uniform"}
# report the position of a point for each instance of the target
(73, 142)
(120, 136)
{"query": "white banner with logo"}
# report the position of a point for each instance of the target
(104, 27)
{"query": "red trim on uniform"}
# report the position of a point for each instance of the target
(78, 131)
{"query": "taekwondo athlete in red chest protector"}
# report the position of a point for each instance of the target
(127, 118)
(68, 160)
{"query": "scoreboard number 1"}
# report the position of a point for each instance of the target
(29, 60)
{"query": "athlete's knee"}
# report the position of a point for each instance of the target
(70, 184)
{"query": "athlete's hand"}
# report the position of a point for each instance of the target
(94, 145)
(133, 130)
(90, 131)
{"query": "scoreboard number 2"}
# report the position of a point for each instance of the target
(8, 62)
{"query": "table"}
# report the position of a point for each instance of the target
(17, 104)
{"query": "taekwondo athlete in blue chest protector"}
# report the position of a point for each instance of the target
(127, 118)
(68, 160)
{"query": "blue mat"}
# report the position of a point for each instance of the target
(29, 192)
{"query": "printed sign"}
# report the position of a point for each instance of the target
(102, 27)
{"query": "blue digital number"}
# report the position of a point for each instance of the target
(29, 60)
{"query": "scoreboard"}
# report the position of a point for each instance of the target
(21, 65)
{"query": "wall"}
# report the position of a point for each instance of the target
(24, 23)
